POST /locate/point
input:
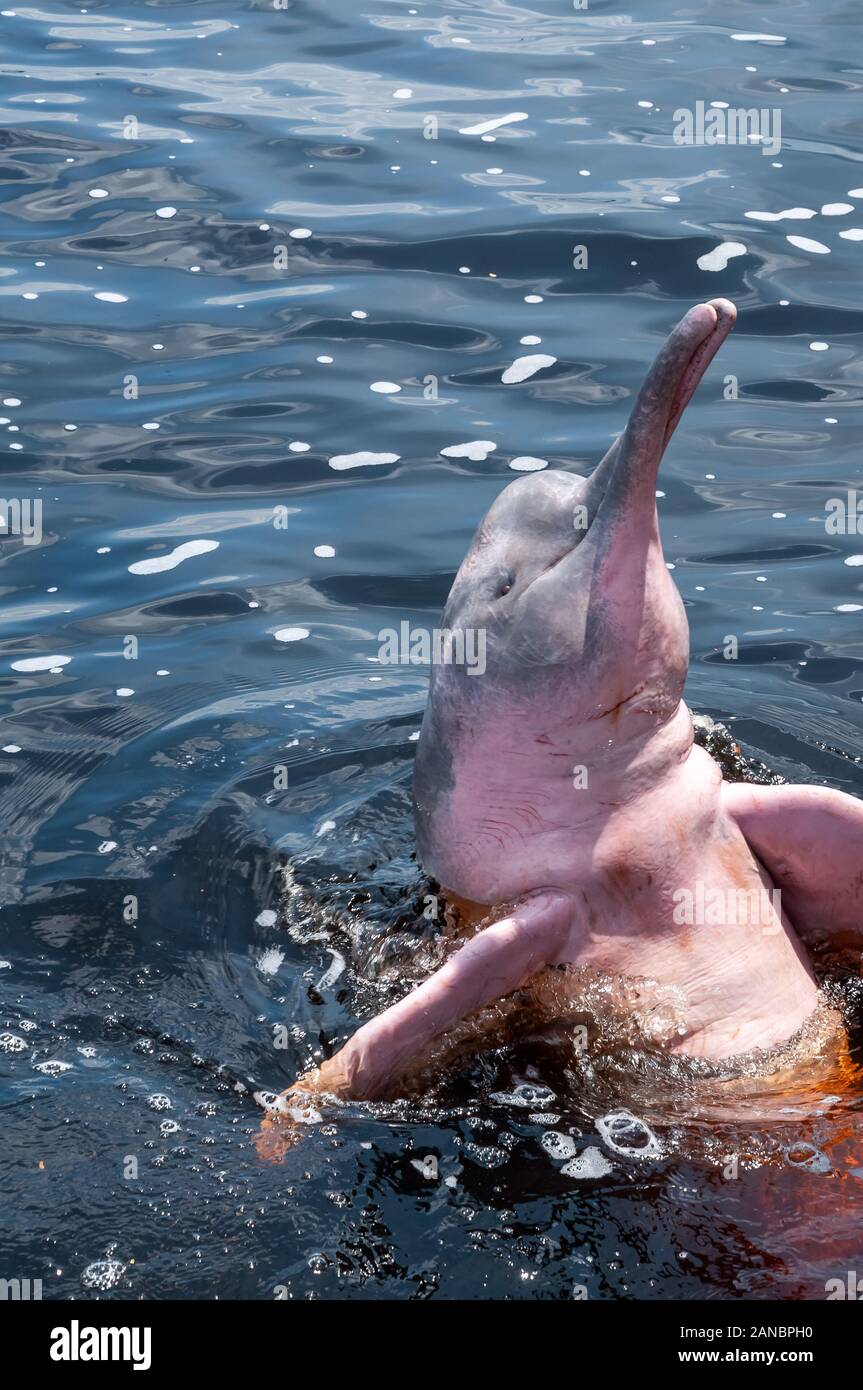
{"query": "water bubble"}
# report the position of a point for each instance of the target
(558, 1146)
(806, 1156)
(625, 1134)
(526, 1095)
(591, 1163)
(486, 1155)
(103, 1275)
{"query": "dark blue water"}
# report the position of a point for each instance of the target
(146, 833)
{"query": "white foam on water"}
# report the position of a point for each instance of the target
(102, 1275)
(166, 212)
(325, 827)
(324, 552)
(558, 1146)
(363, 459)
(270, 960)
(525, 367)
(853, 560)
(157, 563)
(849, 608)
(852, 234)
(11, 748)
(718, 258)
(299, 446)
(124, 691)
(385, 388)
(108, 297)
(787, 214)
(52, 1068)
(98, 193)
(486, 1155)
(267, 918)
(525, 463)
(591, 1163)
(836, 209)
(403, 93)
(818, 347)
(530, 340)
(483, 127)
(759, 38)
(805, 243)
(526, 1095)
(477, 450)
(40, 663)
(337, 967)
(619, 1129)
(805, 1155)
(291, 634)
(300, 233)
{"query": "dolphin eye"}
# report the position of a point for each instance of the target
(504, 588)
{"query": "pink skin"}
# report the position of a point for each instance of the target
(561, 788)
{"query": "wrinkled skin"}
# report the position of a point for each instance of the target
(559, 796)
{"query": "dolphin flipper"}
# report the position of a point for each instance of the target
(810, 841)
(498, 960)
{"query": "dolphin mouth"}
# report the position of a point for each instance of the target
(710, 324)
(623, 484)
(629, 468)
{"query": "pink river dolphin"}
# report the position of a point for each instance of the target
(561, 801)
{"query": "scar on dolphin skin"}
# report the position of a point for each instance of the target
(590, 880)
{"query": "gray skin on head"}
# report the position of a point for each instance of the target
(584, 628)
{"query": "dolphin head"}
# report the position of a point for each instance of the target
(583, 634)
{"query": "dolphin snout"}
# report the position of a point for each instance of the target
(692, 347)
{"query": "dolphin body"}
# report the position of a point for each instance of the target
(559, 796)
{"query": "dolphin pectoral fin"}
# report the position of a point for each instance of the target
(810, 841)
(494, 963)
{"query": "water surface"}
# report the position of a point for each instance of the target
(171, 374)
